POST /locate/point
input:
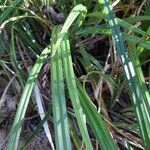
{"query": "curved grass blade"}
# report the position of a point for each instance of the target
(61, 125)
(140, 96)
(77, 11)
(96, 122)
(73, 92)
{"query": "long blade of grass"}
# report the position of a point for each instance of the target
(61, 125)
(140, 98)
(73, 92)
(17, 124)
(96, 122)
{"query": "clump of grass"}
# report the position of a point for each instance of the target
(97, 93)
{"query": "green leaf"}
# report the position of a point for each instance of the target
(96, 122)
(73, 92)
(61, 126)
